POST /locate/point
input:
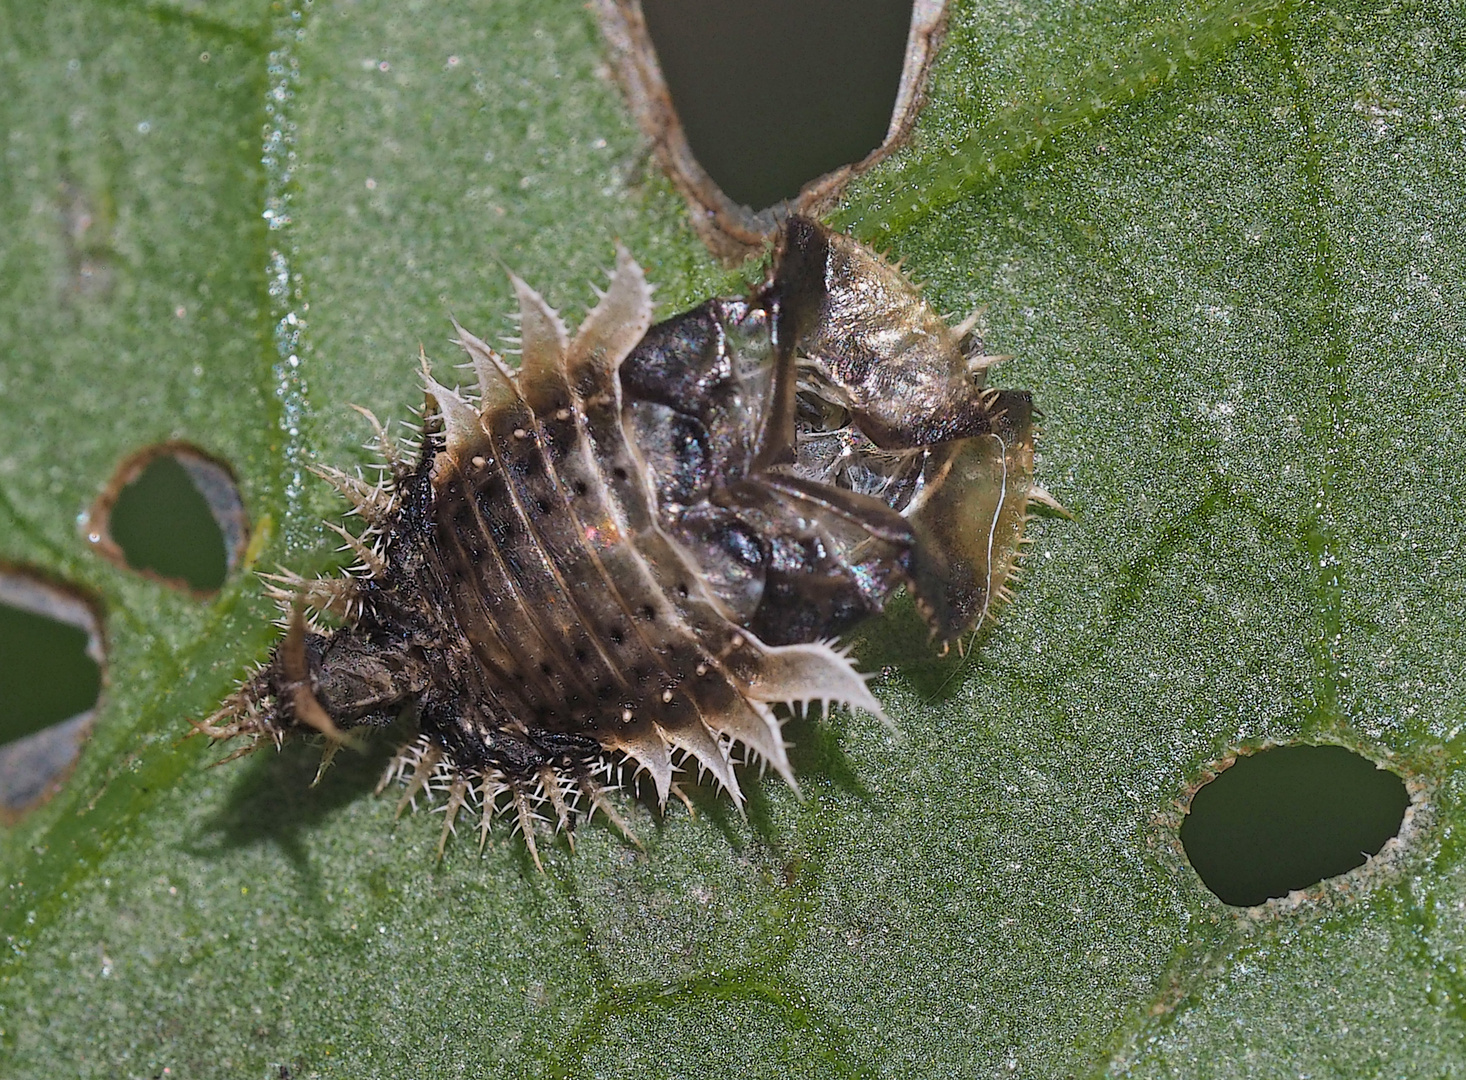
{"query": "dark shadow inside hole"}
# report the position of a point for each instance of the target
(163, 524)
(45, 672)
(774, 93)
(1289, 817)
(50, 679)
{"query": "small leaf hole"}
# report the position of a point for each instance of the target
(1287, 818)
(172, 513)
(775, 93)
(50, 677)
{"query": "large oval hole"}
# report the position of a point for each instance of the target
(172, 513)
(775, 93)
(50, 677)
(1288, 817)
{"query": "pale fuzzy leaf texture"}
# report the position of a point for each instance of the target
(1227, 247)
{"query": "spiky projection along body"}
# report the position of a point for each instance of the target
(627, 551)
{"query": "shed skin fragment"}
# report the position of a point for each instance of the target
(624, 553)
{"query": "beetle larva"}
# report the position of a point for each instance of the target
(632, 547)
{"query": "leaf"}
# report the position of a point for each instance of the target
(1225, 245)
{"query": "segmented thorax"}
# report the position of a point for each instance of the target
(634, 544)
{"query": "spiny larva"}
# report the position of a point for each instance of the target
(628, 550)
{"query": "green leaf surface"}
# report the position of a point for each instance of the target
(1227, 247)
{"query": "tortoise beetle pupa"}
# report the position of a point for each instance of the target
(627, 551)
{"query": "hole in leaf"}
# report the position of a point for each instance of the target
(741, 121)
(50, 677)
(1288, 817)
(774, 93)
(172, 513)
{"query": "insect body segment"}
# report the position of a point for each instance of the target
(632, 547)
